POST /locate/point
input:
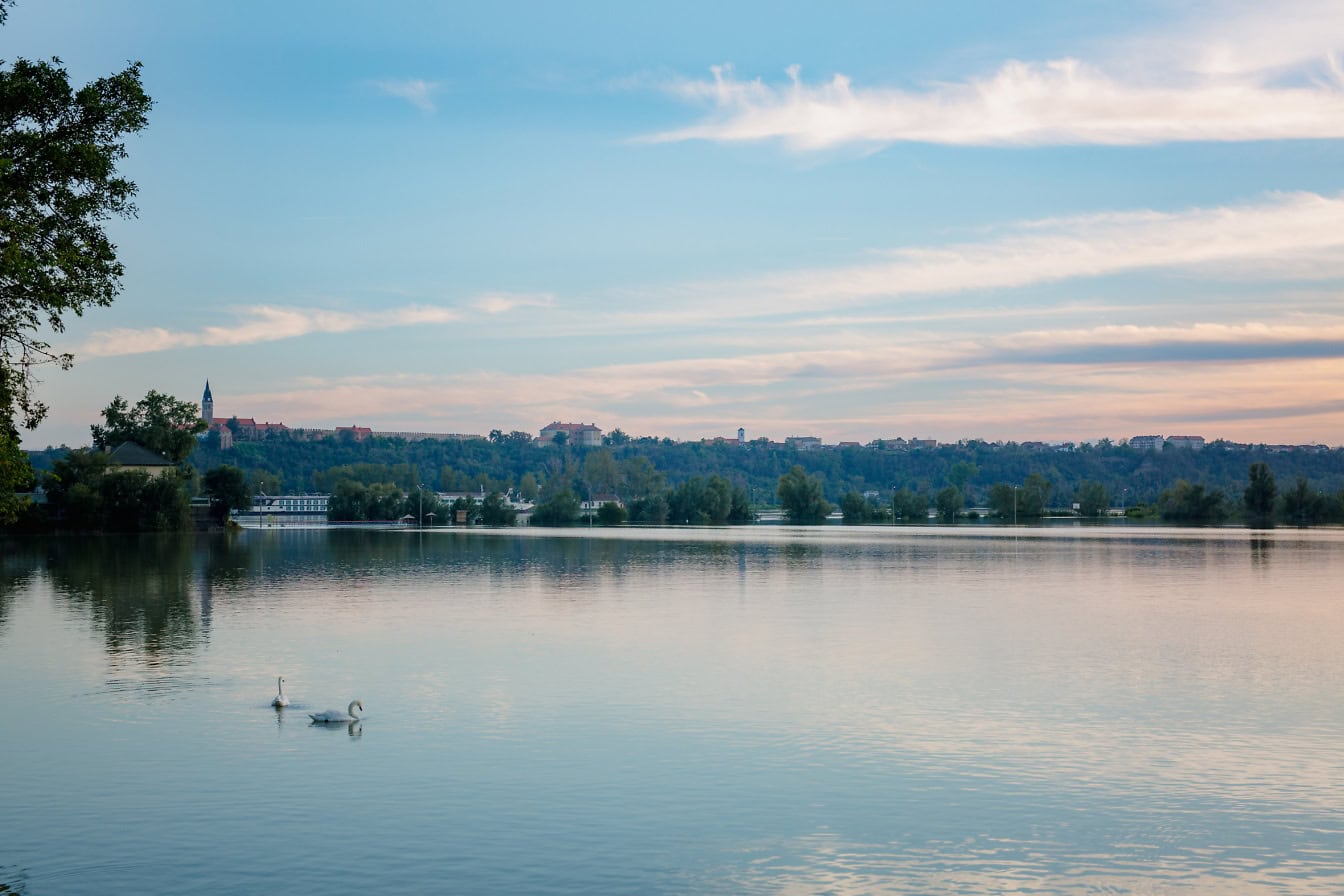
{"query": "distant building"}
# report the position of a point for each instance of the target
(292, 505)
(585, 434)
(1146, 443)
(133, 456)
(803, 443)
(1194, 443)
(741, 436)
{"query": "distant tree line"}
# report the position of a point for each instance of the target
(655, 481)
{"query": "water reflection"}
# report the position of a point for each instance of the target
(1260, 550)
(138, 590)
(20, 561)
(354, 729)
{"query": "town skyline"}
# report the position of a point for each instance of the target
(1036, 223)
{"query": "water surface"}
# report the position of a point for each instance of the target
(758, 710)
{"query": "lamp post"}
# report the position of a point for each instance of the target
(1014, 505)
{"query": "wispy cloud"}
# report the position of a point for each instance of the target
(1050, 379)
(261, 323)
(504, 302)
(417, 92)
(1286, 235)
(1258, 74)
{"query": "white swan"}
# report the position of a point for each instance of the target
(280, 700)
(335, 715)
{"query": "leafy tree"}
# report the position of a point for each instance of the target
(801, 497)
(560, 510)
(1302, 506)
(1258, 498)
(16, 475)
(72, 488)
(652, 510)
(495, 511)
(228, 490)
(909, 506)
(59, 149)
(348, 502)
(1034, 494)
(615, 437)
(84, 494)
(1191, 503)
(855, 509)
(961, 473)
(601, 472)
(642, 479)
(949, 502)
(264, 482)
(159, 422)
(1092, 499)
(527, 487)
(611, 514)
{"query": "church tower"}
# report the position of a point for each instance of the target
(208, 405)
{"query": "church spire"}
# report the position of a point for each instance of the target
(208, 405)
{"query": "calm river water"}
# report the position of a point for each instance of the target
(756, 710)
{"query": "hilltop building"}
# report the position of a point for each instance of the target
(584, 434)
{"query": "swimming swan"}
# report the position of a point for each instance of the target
(335, 715)
(280, 700)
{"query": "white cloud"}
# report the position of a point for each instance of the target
(1284, 235)
(1255, 73)
(504, 302)
(417, 92)
(262, 323)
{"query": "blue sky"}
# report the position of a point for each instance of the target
(857, 221)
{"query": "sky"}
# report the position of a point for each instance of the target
(1032, 221)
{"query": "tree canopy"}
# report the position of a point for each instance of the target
(159, 422)
(800, 496)
(59, 149)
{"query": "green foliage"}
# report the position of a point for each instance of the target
(961, 473)
(1258, 499)
(59, 149)
(651, 511)
(1092, 499)
(527, 487)
(949, 503)
(1304, 507)
(425, 507)
(800, 495)
(84, 494)
(713, 501)
(611, 514)
(561, 509)
(353, 501)
(859, 510)
(910, 507)
(227, 490)
(1191, 503)
(1023, 502)
(465, 511)
(601, 473)
(496, 511)
(159, 422)
(16, 475)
